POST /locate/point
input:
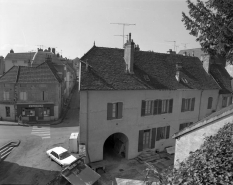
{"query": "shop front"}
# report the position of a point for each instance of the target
(35, 112)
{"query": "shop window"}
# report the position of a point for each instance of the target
(46, 111)
(28, 112)
(6, 95)
(8, 112)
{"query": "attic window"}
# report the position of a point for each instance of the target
(184, 80)
(146, 77)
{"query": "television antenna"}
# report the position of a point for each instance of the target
(123, 24)
(184, 45)
(122, 36)
(172, 41)
(41, 46)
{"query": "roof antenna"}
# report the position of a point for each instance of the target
(174, 43)
(124, 24)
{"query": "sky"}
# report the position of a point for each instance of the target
(72, 26)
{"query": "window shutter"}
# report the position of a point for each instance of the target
(168, 132)
(158, 134)
(21, 96)
(46, 95)
(193, 104)
(153, 137)
(159, 106)
(143, 108)
(170, 105)
(52, 111)
(140, 140)
(109, 111)
(119, 109)
(155, 107)
(180, 128)
(182, 106)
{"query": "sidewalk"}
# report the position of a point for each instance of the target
(46, 123)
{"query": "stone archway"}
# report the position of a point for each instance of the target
(116, 147)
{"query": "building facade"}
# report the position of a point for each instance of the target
(141, 98)
(32, 93)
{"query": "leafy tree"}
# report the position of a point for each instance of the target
(212, 23)
(211, 164)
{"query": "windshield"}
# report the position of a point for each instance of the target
(64, 155)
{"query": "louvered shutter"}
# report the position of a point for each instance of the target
(119, 109)
(109, 111)
(143, 108)
(158, 134)
(193, 104)
(168, 132)
(170, 105)
(159, 106)
(140, 140)
(21, 96)
(155, 107)
(182, 106)
(153, 137)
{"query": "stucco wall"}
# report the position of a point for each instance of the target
(193, 140)
(9, 64)
(100, 128)
(3, 112)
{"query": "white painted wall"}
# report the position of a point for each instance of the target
(100, 128)
(9, 64)
(3, 112)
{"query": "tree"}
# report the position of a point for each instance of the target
(211, 164)
(212, 23)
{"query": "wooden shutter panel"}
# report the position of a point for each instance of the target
(158, 134)
(182, 106)
(143, 108)
(159, 106)
(155, 107)
(193, 104)
(168, 132)
(170, 105)
(153, 137)
(52, 110)
(119, 109)
(109, 111)
(140, 140)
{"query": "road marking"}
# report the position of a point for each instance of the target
(44, 132)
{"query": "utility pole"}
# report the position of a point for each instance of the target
(184, 45)
(123, 24)
(172, 41)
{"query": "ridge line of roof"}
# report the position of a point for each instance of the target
(53, 72)
(17, 76)
(7, 72)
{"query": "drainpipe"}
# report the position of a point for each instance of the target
(87, 139)
(200, 106)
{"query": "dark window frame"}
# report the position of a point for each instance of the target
(118, 110)
(210, 102)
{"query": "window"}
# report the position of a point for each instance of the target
(23, 96)
(114, 110)
(163, 133)
(210, 100)
(230, 100)
(46, 111)
(183, 125)
(6, 95)
(187, 104)
(224, 102)
(8, 112)
(44, 95)
(28, 112)
(156, 107)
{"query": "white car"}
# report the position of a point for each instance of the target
(61, 156)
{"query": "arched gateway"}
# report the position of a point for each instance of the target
(116, 146)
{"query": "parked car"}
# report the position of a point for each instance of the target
(61, 156)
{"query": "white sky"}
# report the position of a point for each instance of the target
(73, 25)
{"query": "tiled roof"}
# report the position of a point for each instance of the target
(40, 57)
(205, 121)
(222, 77)
(44, 73)
(107, 71)
(20, 56)
(197, 52)
(10, 76)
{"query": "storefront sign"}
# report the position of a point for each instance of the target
(35, 106)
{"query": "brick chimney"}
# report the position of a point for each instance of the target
(129, 55)
(178, 70)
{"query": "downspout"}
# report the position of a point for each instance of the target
(200, 106)
(87, 139)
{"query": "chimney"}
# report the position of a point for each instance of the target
(178, 70)
(49, 49)
(136, 48)
(11, 51)
(185, 53)
(171, 52)
(53, 50)
(129, 55)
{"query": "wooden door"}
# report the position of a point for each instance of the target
(146, 139)
(40, 114)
